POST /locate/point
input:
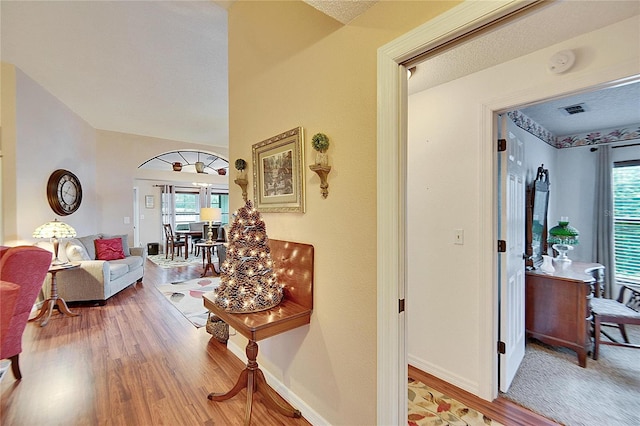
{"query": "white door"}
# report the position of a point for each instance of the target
(136, 218)
(511, 263)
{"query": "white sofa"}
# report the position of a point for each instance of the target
(94, 280)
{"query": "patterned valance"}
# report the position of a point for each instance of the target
(581, 139)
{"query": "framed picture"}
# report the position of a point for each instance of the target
(148, 201)
(278, 183)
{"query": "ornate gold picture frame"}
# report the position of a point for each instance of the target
(278, 181)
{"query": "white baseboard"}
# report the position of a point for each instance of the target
(307, 412)
(445, 375)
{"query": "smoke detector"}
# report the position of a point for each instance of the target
(561, 62)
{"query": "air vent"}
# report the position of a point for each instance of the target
(574, 109)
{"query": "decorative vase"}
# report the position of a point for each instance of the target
(547, 264)
(242, 174)
(199, 167)
(177, 166)
(322, 158)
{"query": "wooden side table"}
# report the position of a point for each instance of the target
(207, 253)
(294, 264)
(47, 307)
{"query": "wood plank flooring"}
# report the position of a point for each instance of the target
(134, 361)
(138, 361)
(501, 410)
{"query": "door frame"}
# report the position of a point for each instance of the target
(392, 190)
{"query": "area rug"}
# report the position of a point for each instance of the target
(177, 261)
(186, 296)
(606, 392)
(428, 407)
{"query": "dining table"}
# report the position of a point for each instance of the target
(189, 236)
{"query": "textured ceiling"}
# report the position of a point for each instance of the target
(343, 11)
(561, 21)
(615, 107)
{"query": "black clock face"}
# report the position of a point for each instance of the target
(64, 192)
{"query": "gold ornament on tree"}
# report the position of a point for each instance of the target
(248, 281)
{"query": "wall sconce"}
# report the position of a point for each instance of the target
(320, 143)
(241, 177)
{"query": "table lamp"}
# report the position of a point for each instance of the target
(210, 214)
(54, 230)
(563, 237)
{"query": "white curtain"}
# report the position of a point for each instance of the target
(205, 197)
(168, 206)
(603, 242)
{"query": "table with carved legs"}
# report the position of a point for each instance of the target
(54, 300)
(256, 326)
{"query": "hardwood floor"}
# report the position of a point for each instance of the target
(134, 361)
(138, 361)
(501, 410)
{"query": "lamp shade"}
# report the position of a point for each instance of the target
(210, 214)
(562, 233)
(54, 229)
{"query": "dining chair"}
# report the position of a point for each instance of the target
(174, 243)
(617, 313)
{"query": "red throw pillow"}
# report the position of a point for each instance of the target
(110, 249)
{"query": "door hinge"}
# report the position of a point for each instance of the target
(502, 145)
(502, 246)
(400, 305)
(502, 348)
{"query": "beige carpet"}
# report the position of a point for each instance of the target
(607, 392)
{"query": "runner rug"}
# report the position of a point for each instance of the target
(186, 296)
(428, 407)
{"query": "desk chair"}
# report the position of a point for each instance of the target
(617, 313)
(173, 243)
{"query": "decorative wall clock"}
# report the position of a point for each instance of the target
(64, 192)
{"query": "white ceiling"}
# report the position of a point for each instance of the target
(159, 68)
(154, 68)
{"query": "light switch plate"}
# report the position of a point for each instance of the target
(458, 236)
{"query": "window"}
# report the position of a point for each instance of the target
(626, 219)
(187, 207)
(221, 201)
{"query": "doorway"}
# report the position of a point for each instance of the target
(392, 241)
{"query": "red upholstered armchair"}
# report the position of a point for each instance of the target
(27, 267)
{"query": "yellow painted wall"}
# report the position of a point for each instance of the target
(289, 66)
(8, 151)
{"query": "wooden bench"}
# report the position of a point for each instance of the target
(294, 265)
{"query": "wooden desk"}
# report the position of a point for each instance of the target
(294, 265)
(557, 310)
(54, 300)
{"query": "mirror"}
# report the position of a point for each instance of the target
(537, 206)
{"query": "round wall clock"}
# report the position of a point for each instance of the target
(64, 192)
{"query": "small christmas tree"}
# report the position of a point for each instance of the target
(248, 282)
